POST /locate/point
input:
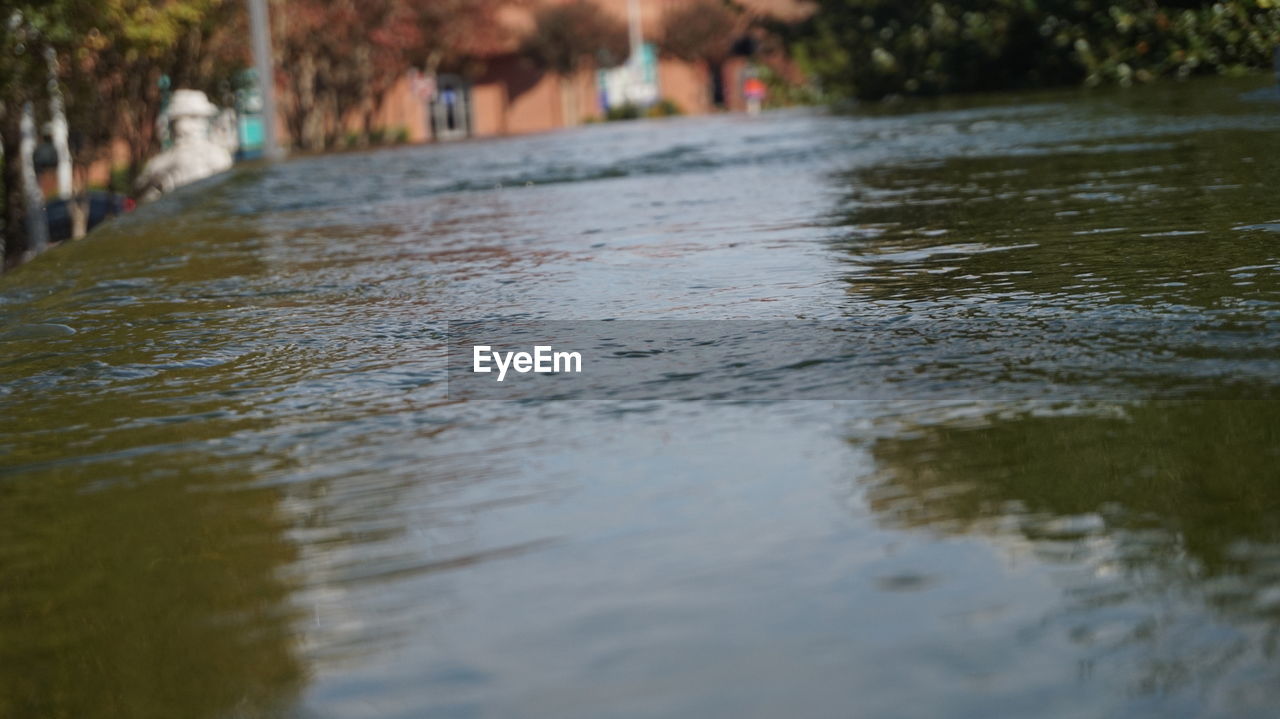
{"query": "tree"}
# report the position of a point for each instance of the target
(567, 37)
(702, 32)
(110, 55)
(337, 60)
(29, 29)
(115, 66)
(340, 58)
(872, 48)
(455, 32)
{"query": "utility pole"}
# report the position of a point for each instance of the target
(260, 30)
(636, 32)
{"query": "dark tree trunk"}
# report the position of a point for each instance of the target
(15, 208)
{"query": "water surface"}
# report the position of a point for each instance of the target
(232, 483)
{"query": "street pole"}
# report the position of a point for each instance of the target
(260, 30)
(635, 34)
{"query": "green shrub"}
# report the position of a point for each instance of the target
(663, 108)
(120, 181)
(872, 48)
(623, 112)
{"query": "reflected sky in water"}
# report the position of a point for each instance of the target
(232, 484)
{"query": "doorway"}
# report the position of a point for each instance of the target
(450, 109)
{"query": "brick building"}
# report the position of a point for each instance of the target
(508, 95)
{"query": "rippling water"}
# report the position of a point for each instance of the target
(232, 483)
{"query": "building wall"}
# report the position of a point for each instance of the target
(512, 97)
(489, 105)
(403, 108)
(535, 109)
(686, 84)
(734, 70)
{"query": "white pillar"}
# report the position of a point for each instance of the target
(635, 28)
(37, 226)
(260, 30)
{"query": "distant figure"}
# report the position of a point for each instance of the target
(754, 91)
(194, 156)
(450, 99)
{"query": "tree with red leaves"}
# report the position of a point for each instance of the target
(703, 32)
(567, 37)
(341, 57)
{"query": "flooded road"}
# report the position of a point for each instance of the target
(232, 482)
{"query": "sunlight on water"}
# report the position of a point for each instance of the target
(232, 483)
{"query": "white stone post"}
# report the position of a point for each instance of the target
(58, 125)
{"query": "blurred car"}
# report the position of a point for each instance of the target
(102, 206)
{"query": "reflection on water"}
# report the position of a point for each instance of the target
(1158, 522)
(232, 484)
(1036, 233)
(151, 590)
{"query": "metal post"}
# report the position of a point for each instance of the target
(260, 29)
(636, 32)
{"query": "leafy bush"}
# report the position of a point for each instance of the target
(663, 108)
(623, 112)
(121, 180)
(873, 48)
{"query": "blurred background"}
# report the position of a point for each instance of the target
(93, 78)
